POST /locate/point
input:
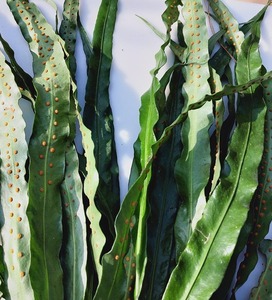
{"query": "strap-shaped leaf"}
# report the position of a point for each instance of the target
(199, 270)
(15, 231)
(163, 197)
(130, 229)
(68, 31)
(46, 148)
(217, 231)
(251, 59)
(260, 204)
(97, 114)
(113, 269)
(143, 150)
(74, 248)
(233, 35)
(97, 240)
(74, 254)
(193, 166)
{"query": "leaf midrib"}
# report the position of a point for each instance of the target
(237, 177)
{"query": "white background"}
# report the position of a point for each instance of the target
(134, 49)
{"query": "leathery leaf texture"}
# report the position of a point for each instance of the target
(198, 270)
(260, 204)
(201, 173)
(163, 195)
(195, 156)
(262, 210)
(116, 260)
(127, 259)
(15, 231)
(46, 148)
(97, 114)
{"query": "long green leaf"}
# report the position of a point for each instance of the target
(204, 260)
(245, 267)
(15, 231)
(193, 167)
(76, 273)
(90, 187)
(250, 57)
(97, 115)
(74, 248)
(133, 235)
(163, 199)
(261, 204)
(217, 231)
(46, 148)
(113, 262)
(97, 240)
(148, 119)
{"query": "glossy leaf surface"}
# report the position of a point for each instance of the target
(97, 114)
(113, 261)
(130, 241)
(193, 166)
(163, 198)
(198, 272)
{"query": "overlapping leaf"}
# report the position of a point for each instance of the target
(228, 23)
(199, 273)
(97, 114)
(47, 154)
(163, 199)
(193, 167)
(143, 253)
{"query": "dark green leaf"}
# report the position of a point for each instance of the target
(97, 116)
(164, 200)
